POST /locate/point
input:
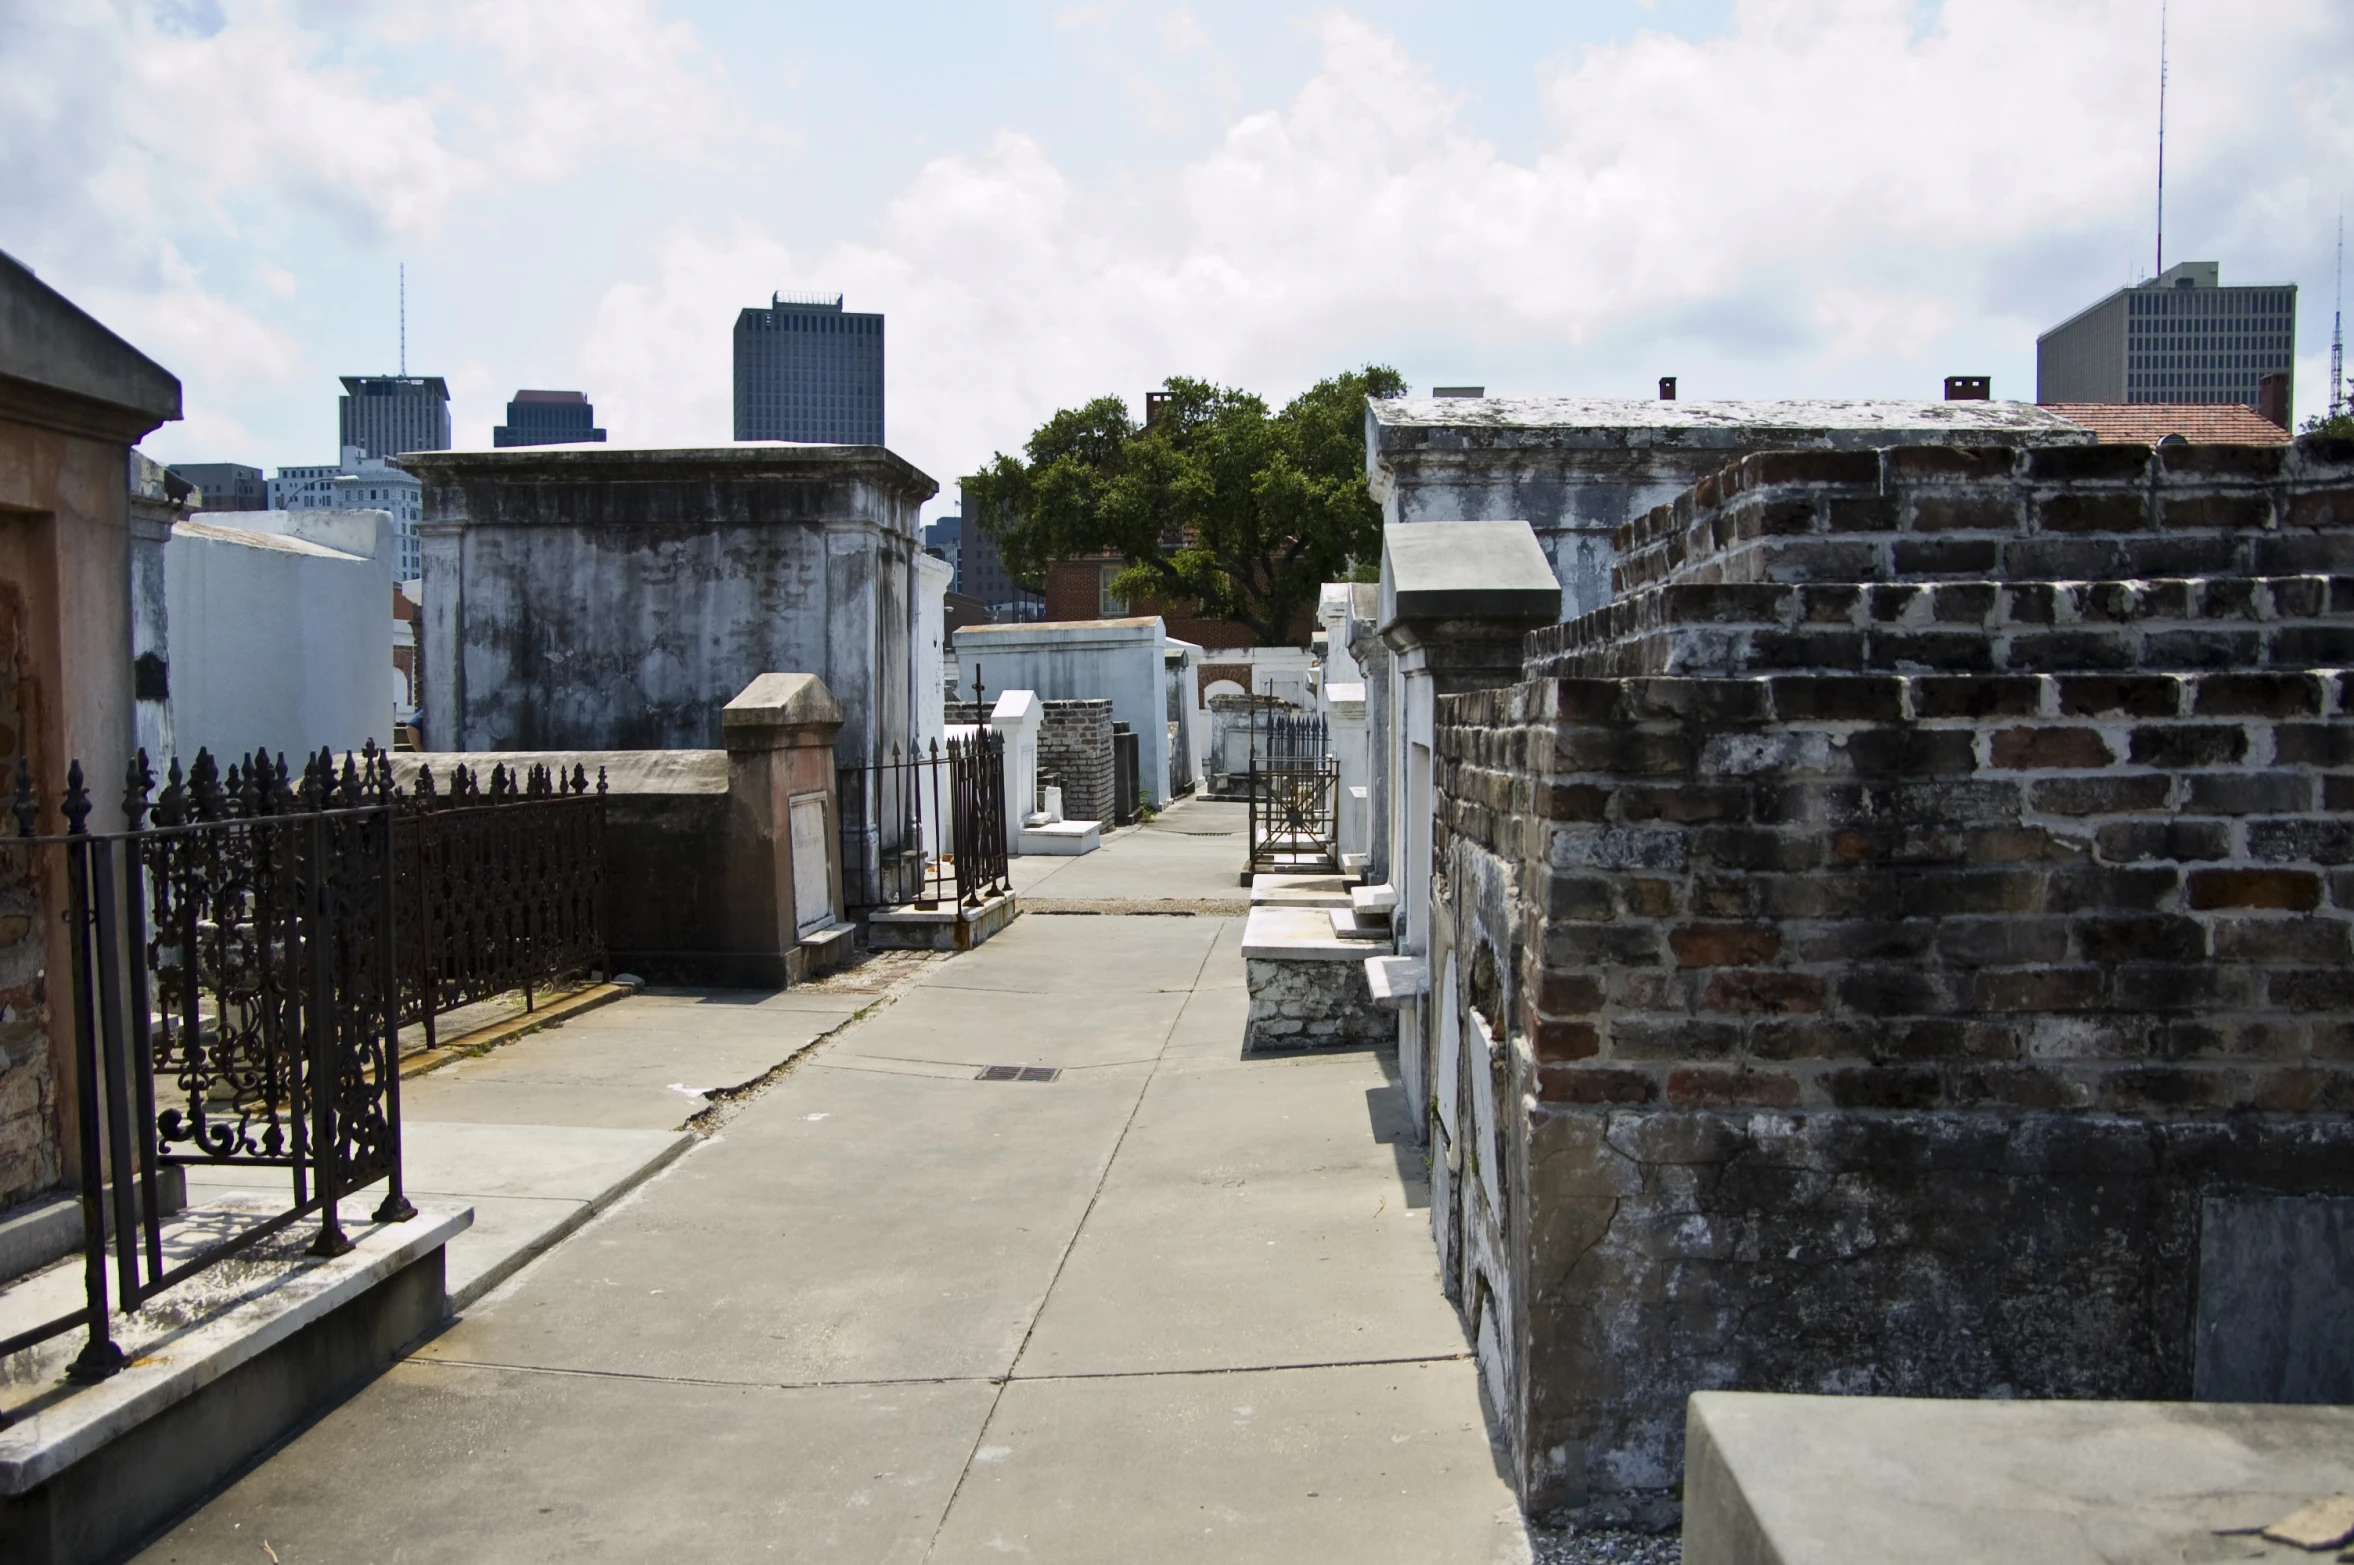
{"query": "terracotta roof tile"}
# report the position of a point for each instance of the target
(2147, 423)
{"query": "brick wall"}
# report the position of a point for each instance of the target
(1075, 742)
(1074, 589)
(2043, 892)
(1884, 925)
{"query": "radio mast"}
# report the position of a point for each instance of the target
(2337, 331)
(2161, 140)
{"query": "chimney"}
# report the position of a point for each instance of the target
(1969, 388)
(1667, 388)
(1458, 391)
(2272, 399)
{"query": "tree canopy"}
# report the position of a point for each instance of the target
(1217, 500)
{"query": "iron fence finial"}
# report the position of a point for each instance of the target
(171, 806)
(204, 786)
(138, 783)
(77, 800)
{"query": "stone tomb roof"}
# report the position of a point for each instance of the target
(748, 460)
(1614, 422)
(79, 374)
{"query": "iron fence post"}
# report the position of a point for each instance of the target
(320, 1037)
(100, 1356)
(135, 882)
(113, 1068)
(395, 1207)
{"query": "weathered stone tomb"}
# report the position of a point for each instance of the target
(614, 599)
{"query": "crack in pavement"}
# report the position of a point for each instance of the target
(641, 1377)
(1209, 948)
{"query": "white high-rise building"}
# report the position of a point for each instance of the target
(358, 483)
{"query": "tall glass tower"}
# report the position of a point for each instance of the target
(385, 415)
(806, 369)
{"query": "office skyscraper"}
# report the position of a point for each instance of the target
(807, 370)
(227, 486)
(981, 572)
(2180, 337)
(547, 418)
(945, 538)
(385, 415)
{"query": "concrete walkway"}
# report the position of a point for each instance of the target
(1192, 851)
(1171, 1304)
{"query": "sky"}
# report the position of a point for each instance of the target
(1053, 201)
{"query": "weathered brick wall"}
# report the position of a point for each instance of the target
(30, 1161)
(2054, 513)
(1075, 743)
(1874, 1004)
(2047, 892)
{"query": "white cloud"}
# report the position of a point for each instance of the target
(1833, 191)
(1830, 196)
(130, 127)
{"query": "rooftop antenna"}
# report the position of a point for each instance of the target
(2161, 139)
(404, 320)
(2337, 330)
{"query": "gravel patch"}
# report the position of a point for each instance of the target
(1604, 1546)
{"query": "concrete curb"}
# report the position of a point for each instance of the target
(562, 1010)
(474, 1288)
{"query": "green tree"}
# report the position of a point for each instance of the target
(2341, 427)
(1219, 501)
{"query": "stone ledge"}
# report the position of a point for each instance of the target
(1296, 934)
(1068, 838)
(947, 928)
(190, 1336)
(1818, 1480)
(1393, 980)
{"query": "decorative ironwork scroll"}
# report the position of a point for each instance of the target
(231, 987)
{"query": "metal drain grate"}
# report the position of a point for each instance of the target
(1018, 1073)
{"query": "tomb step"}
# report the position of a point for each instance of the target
(1346, 925)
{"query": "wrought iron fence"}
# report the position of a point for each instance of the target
(231, 987)
(926, 828)
(1294, 791)
(500, 887)
(242, 959)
